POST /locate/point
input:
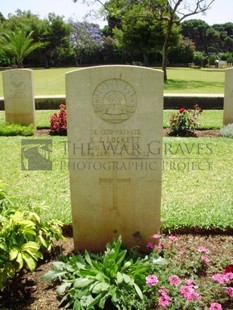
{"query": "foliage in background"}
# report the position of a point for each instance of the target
(138, 35)
(208, 39)
(227, 131)
(167, 277)
(19, 45)
(24, 238)
(58, 122)
(184, 122)
(87, 42)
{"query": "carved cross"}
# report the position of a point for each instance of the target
(114, 181)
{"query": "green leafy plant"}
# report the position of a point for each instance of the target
(16, 130)
(58, 122)
(19, 45)
(24, 238)
(169, 277)
(94, 280)
(184, 122)
(227, 131)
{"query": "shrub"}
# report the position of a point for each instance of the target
(199, 59)
(24, 238)
(16, 130)
(58, 122)
(227, 131)
(184, 122)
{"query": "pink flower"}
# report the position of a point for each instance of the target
(161, 245)
(189, 282)
(202, 249)
(156, 236)
(164, 300)
(186, 291)
(205, 259)
(230, 291)
(220, 278)
(150, 245)
(191, 297)
(151, 280)
(174, 280)
(163, 291)
(173, 238)
(229, 276)
(189, 293)
(215, 306)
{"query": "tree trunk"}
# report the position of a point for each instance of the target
(164, 61)
(145, 59)
(165, 47)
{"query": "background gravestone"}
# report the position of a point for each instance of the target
(114, 141)
(19, 96)
(228, 97)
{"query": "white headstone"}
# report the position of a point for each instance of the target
(19, 96)
(228, 97)
(115, 138)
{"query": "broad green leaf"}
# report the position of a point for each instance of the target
(86, 301)
(31, 246)
(62, 288)
(13, 253)
(102, 301)
(82, 282)
(127, 264)
(77, 306)
(30, 262)
(59, 266)
(119, 277)
(52, 275)
(43, 241)
(100, 287)
(126, 278)
(138, 290)
(87, 258)
(160, 261)
(19, 260)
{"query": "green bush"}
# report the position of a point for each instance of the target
(199, 59)
(16, 130)
(24, 238)
(184, 122)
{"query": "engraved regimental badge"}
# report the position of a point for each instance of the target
(114, 101)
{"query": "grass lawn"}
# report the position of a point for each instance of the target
(189, 80)
(201, 195)
(209, 119)
(180, 80)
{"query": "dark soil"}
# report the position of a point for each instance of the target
(198, 133)
(29, 292)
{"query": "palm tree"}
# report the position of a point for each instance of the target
(19, 45)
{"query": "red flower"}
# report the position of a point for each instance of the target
(228, 268)
(182, 110)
